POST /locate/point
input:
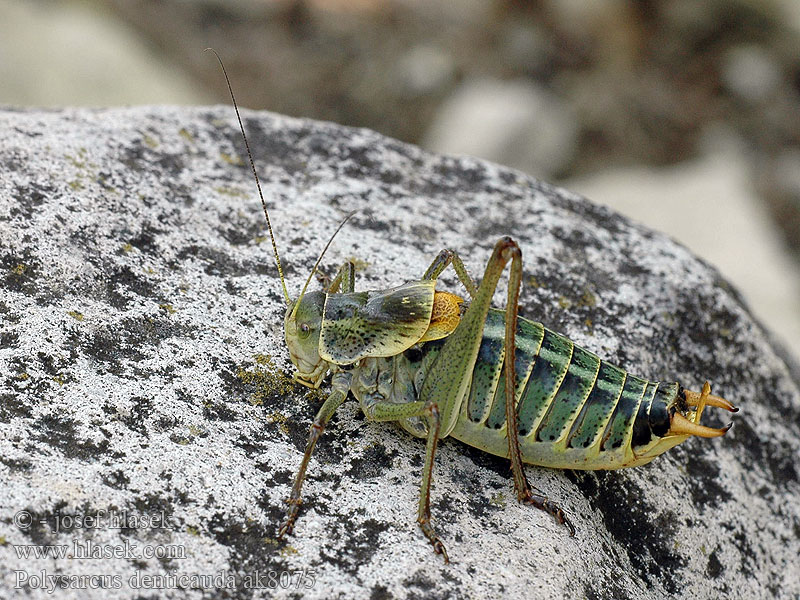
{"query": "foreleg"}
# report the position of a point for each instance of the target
(341, 385)
(439, 264)
(345, 278)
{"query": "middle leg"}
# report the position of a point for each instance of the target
(392, 411)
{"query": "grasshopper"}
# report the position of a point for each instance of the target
(441, 366)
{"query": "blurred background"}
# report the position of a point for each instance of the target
(683, 114)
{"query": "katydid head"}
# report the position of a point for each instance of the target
(667, 425)
(304, 315)
(301, 327)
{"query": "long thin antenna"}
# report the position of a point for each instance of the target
(316, 264)
(258, 184)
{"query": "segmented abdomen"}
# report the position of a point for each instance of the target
(574, 410)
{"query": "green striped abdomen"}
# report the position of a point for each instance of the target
(574, 410)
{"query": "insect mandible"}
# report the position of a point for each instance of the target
(441, 366)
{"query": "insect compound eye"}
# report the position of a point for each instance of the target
(304, 330)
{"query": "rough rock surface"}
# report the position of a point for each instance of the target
(142, 375)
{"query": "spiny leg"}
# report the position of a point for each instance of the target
(448, 379)
(391, 411)
(439, 264)
(524, 492)
(424, 510)
(341, 385)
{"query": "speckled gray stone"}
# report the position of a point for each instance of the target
(139, 302)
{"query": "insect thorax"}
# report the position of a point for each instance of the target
(396, 379)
